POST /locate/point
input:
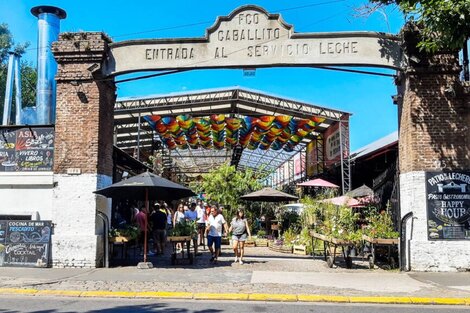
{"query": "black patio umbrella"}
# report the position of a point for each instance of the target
(268, 194)
(362, 191)
(146, 186)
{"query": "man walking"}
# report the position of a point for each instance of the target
(215, 222)
(201, 222)
(191, 216)
(159, 219)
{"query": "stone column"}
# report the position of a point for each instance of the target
(434, 136)
(83, 148)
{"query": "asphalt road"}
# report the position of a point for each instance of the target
(14, 304)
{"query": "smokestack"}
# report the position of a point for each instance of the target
(48, 31)
(8, 90)
(18, 98)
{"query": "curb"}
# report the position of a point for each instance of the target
(236, 296)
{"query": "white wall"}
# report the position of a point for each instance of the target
(26, 193)
(76, 235)
(428, 255)
(69, 202)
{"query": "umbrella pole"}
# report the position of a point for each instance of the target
(146, 221)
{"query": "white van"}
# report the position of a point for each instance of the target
(293, 207)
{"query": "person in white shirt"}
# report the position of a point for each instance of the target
(191, 216)
(214, 226)
(201, 222)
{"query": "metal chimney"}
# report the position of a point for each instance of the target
(8, 90)
(18, 97)
(48, 31)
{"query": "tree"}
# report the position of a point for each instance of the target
(226, 184)
(28, 73)
(443, 24)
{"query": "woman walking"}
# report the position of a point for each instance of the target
(178, 217)
(240, 229)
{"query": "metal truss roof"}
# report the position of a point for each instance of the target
(132, 132)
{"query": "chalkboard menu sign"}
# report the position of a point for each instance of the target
(25, 243)
(448, 205)
(3, 229)
(26, 149)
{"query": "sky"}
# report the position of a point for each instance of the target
(367, 97)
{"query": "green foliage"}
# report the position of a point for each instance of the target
(444, 24)
(225, 185)
(343, 222)
(312, 212)
(28, 73)
(331, 220)
(261, 233)
(129, 231)
(290, 220)
(289, 237)
(184, 228)
(305, 239)
(380, 225)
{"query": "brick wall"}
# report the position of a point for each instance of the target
(84, 139)
(434, 136)
(434, 124)
(425, 255)
(85, 102)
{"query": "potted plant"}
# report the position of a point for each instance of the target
(183, 229)
(261, 240)
(126, 234)
(285, 245)
(303, 243)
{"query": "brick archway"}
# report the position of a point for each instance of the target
(434, 109)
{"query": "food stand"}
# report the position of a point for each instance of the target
(390, 245)
(329, 244)
(185, 242)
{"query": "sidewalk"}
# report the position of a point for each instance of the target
(266, 275)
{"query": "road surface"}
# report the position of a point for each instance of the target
(14, 304)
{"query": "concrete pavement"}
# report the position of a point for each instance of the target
(266, 276)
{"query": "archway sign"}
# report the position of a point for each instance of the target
(251, 37)
(433, 108)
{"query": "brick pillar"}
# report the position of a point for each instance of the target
(434, 136)
(83, 146)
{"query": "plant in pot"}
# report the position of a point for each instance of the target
(184, 229)
(261, 240)
(380, 225)
(125, 234)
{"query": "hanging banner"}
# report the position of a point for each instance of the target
(448, 205)
(311, 161)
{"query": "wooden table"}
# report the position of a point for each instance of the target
(185, 242)
(329, 242)
(374, 243)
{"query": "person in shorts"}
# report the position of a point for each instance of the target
(214, 226)
(240, 231)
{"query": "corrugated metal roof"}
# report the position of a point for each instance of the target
(376, 145)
